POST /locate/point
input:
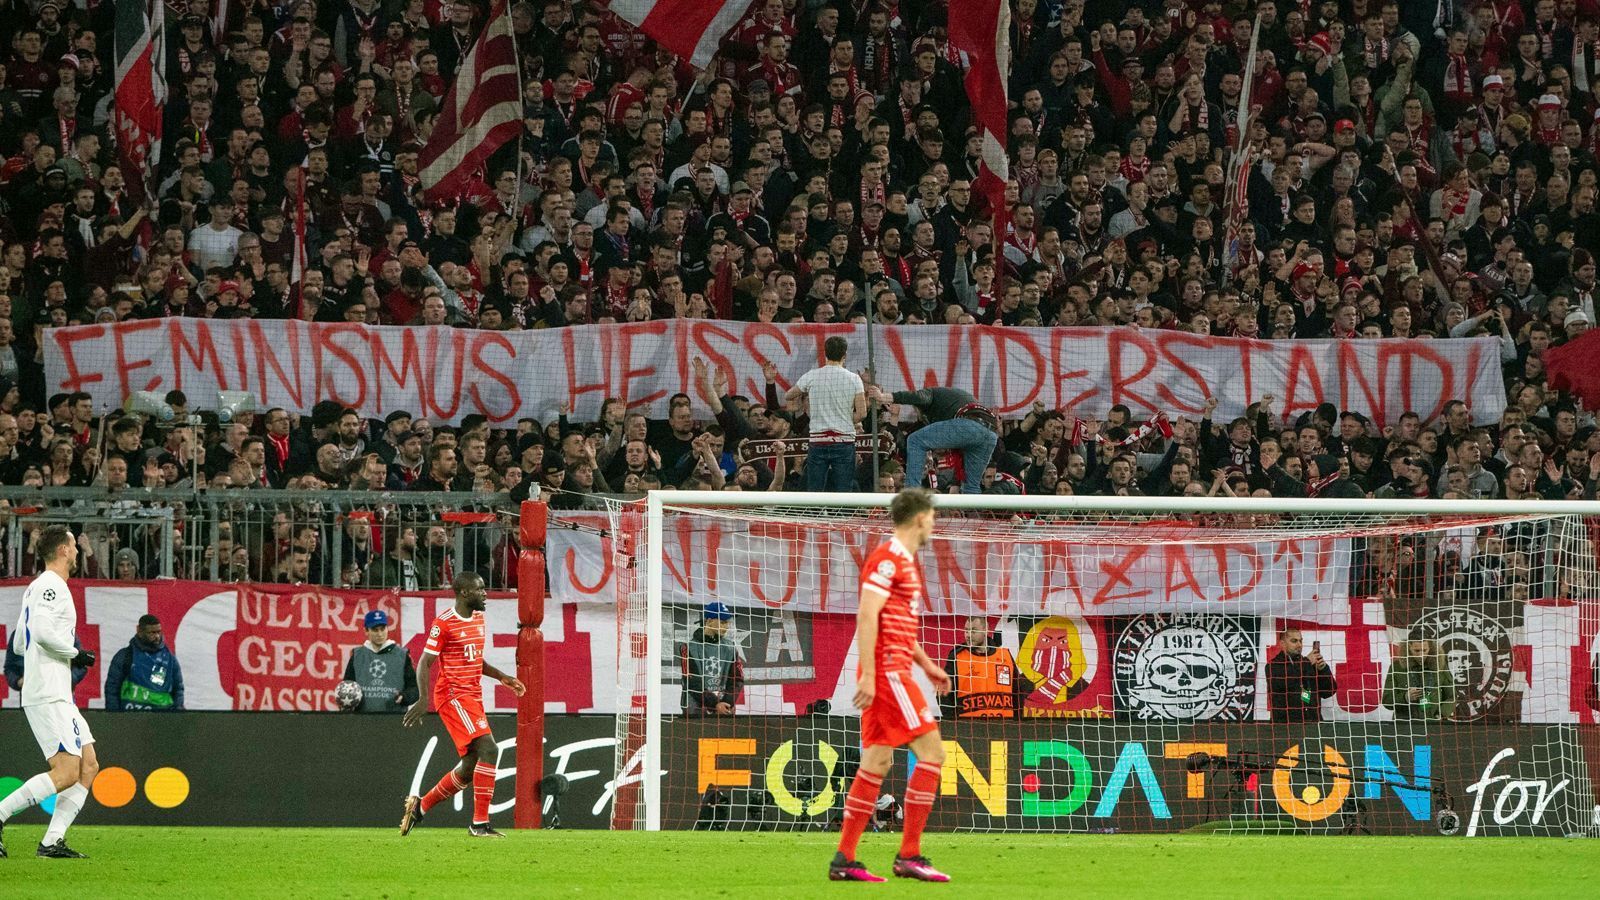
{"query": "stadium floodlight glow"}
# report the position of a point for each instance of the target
(1150, 627)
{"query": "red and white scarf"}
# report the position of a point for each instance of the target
(1315, 488)
(1158, 423)
(1465, 144)
(1418, 140)
(1547, 37)
(1377, 53)
(1458, 78)
(1134, 170)
(877, 57)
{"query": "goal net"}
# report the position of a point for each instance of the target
(1122, 664)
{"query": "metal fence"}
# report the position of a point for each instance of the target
(337, 538)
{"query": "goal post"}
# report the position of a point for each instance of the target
(1118, 662)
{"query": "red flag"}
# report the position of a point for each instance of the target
(481, 111)
(1572, 367)
(982, 30)
(141, 90)
(692, 29)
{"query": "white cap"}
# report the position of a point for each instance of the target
(1549, 100)
(1490, 81)
(1575, 317)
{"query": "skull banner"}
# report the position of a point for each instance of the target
(1187, 667)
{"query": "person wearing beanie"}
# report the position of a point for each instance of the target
(125, 565)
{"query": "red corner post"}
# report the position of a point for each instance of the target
(531, 594)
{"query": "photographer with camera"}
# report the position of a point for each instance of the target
(14, 674)
(1493, 323)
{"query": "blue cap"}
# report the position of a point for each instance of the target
(718, 610)
(376, 618)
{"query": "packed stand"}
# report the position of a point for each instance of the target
(1407, 179)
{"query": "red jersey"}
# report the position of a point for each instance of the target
(458, 643)
(892, 570)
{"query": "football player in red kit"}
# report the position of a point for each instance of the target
(893, 711)
(456, 640)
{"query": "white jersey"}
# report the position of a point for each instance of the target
(44, 638)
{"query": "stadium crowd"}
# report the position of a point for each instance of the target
(1417, 170)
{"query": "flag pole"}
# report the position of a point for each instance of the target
(299, 259)
(522, 124)
(1238, 166)
(872, 398)
(158, 69)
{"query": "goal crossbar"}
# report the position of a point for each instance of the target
(657, 500)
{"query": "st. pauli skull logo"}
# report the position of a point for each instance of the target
(1186, 667)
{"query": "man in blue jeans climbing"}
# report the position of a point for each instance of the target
(955, 421)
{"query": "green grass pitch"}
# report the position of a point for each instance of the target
(236, 863)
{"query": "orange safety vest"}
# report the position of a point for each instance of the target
(984, 683)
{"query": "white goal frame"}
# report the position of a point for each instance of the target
(656, 503)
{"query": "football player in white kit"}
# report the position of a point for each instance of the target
(44, 638)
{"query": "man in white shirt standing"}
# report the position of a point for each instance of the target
(837, 401)
(215, 243)
(44, 637)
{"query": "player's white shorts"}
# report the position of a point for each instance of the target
(58, 727)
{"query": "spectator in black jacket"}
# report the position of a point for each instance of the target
(441, 470)
(1240, 447)
(1296, 683)
(1323, 478)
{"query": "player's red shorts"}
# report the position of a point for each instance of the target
(464, 719)
(898, 713)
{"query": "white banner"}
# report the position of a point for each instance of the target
(793, 567)
(444, 374)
